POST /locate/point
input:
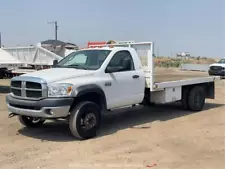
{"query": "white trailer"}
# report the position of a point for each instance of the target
(32, 55)
(86, 84)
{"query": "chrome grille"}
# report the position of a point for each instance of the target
(25, 88)
(216, 68)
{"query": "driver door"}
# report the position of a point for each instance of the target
(124, 85)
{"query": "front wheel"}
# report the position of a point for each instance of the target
(31, 121)
(85, 120)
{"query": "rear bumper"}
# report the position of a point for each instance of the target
(46, 108)
(217, 73)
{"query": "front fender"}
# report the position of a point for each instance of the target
(92, 88)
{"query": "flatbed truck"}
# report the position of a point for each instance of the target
(89, 83)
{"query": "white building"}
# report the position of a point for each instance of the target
(184, 54)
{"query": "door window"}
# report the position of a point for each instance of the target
(121, 61)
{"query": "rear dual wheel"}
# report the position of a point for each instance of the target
(194, 98)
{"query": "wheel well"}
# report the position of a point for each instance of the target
(93, 97)
(209, 88)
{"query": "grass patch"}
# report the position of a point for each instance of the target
(176, 62)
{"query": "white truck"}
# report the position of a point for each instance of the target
(88, 83)
(217, 69)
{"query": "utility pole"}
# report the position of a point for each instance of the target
(56, 28)
(157, 51)
(0, 39)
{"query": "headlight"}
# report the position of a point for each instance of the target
(60, 90)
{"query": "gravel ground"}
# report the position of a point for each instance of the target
(162, 137)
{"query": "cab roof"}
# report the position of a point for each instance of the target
(107, 48)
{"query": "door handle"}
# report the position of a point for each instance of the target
(135, 76)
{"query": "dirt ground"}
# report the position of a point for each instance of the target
(162, 137)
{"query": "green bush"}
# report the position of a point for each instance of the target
(169, 63)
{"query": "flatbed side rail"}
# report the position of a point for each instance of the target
(162, 85)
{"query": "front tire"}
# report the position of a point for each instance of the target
(31, 121)
(84, 120)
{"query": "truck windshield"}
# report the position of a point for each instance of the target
(85, 59)
(222, 61)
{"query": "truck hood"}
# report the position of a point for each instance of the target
(58, 74)
(218, 64)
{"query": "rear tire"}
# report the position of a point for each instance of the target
(184, 100)
(31, 121)
(196, 98)
(84, 120)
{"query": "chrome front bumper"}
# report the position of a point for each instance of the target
(46, 108)
(45, 112)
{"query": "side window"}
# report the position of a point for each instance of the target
(121, 61)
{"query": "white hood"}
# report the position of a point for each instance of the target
(58, 74)
(218, 64)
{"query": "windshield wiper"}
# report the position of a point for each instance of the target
(77, 66)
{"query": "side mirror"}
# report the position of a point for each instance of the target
(111, 69)
(55, 62)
